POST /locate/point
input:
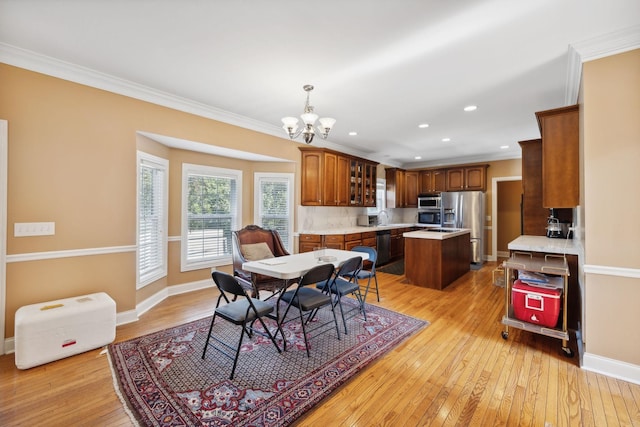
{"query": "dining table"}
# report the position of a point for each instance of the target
(296, 265)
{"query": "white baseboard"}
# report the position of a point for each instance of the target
(131, 316)
(611, 367)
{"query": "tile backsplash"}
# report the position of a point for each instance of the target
(315, 218)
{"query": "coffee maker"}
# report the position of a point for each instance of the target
(555, 228)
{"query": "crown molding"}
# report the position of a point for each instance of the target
(32, 61)
(595, 48)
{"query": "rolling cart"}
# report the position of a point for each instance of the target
(553, 265)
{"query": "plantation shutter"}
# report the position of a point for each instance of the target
(274, 209)
(151, 221)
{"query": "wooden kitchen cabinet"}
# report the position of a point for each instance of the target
(306, 242)
(333, 241)
(411, 179)
(534, 215)
(395, 187)
(369, 185)
(402, 188)
(369, 239)
(330, 178)
(433, 180)
(312, 178)
(356, 185)
(467, 178)
(352, 240)
(559, 129)
(397, 243)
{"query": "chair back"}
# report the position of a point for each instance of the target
(350, 267)
(317, 274)
(373, 254)
(226, 283)
(254, 234)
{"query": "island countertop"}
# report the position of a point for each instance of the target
(546, 245)
(436, 235)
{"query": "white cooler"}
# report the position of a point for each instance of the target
(57, 329)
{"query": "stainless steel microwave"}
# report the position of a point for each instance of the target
(429, 217)
(429, 201)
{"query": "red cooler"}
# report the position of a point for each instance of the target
(537, 305)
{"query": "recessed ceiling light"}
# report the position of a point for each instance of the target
(446, 139)
(504, 147)
(353, 133)
(417, 157)
(423, 125)
(470, 108)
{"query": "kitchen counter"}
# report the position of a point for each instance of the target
(437, 235)
(361, 229)
(546, 245)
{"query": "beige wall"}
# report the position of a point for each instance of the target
(72, 160)
(611, 167)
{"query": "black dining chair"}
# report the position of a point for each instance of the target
(343, 283)
(308, 300)
(242, 312)
(367, 274)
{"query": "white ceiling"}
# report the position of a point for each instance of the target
(379, 67)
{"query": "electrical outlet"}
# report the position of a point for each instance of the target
(24, 229)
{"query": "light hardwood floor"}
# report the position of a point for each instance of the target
(458, 371)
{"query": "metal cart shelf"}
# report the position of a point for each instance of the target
(550, 264)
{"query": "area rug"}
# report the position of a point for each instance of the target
(163, 380)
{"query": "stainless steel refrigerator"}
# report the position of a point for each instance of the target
(466, 209)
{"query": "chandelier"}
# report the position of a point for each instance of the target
(309, 120)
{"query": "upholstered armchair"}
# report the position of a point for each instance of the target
(254, 243)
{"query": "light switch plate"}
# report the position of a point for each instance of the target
(23, 229)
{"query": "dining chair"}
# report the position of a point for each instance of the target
(242, 312)
(345, 282)
(253, 243)
(367, 274)
(308, 300)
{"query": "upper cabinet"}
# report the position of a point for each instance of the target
(330, 178)
(411, 182)
(433, 180)
(467, 178)
(559, 129)
(403, 186)
(534, 216)
(395, 189)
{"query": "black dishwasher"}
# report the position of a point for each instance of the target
(383, 241)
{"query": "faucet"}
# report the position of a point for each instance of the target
(383, 217)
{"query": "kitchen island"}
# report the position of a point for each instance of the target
(435, 258)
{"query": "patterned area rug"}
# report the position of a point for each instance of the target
(163, 380)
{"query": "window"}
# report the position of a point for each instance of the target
(152, 218)
(211, 210)
(274, 204)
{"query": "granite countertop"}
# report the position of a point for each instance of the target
(436, 235)
(546, 245)
(361, 229)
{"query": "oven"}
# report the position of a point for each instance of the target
(429, 201)
(429, 216)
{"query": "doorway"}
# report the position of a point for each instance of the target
(506, 199)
